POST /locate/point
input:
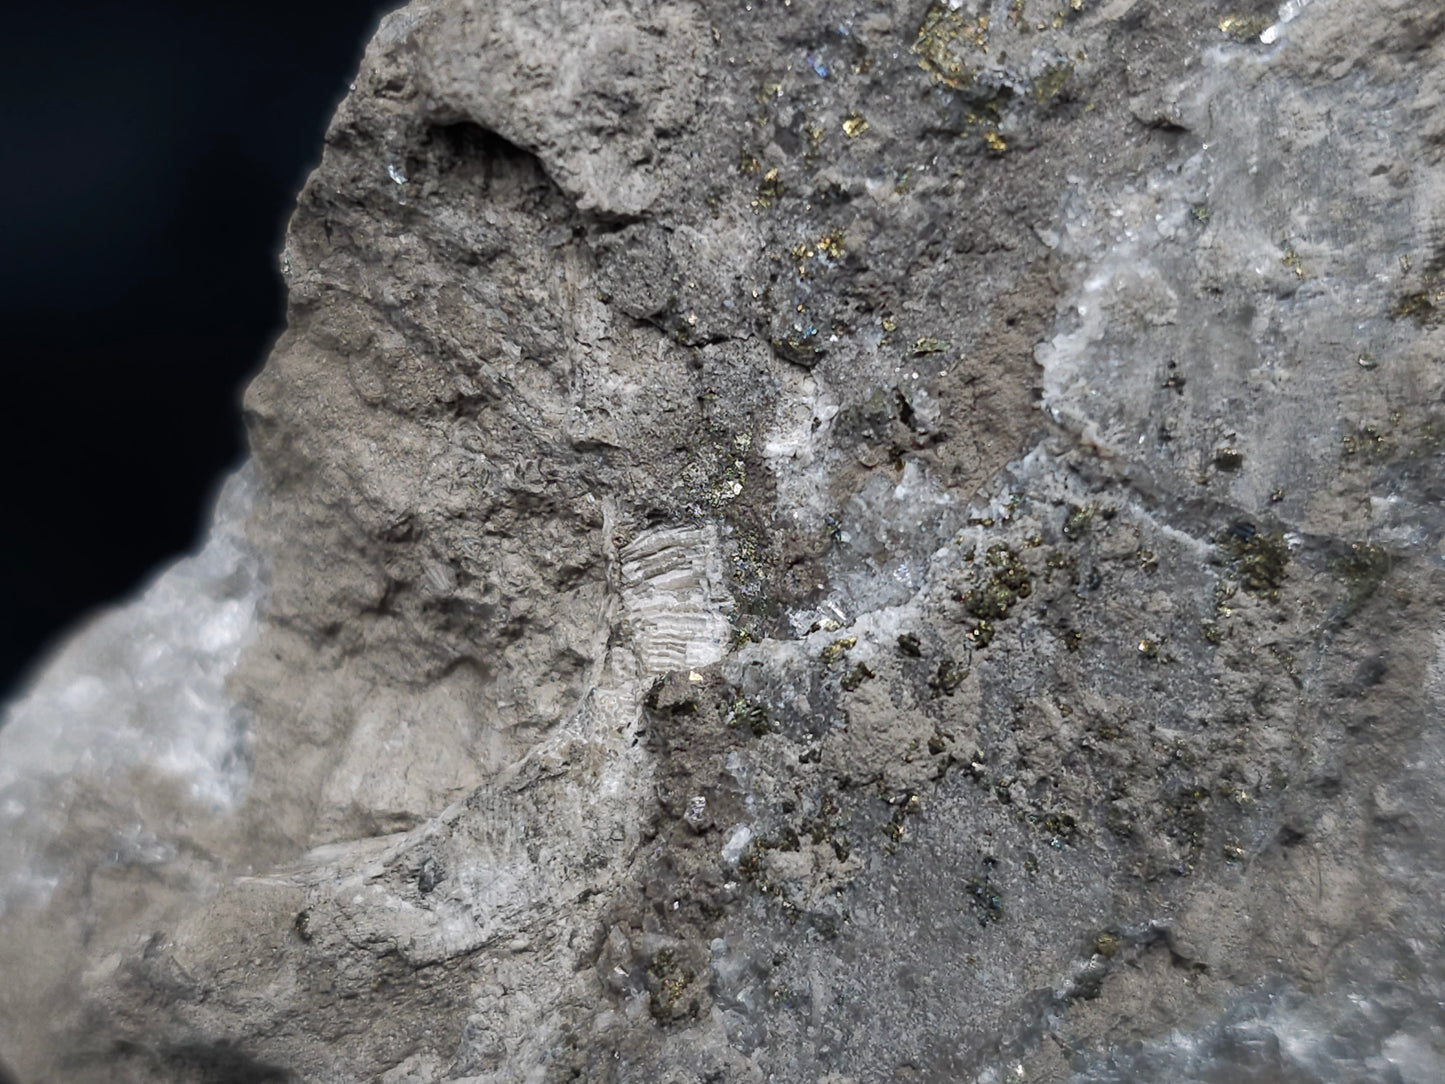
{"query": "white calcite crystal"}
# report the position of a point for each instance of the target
(137, 693)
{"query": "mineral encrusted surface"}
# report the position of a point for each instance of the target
(795, 541)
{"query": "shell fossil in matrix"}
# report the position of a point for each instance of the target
(878, 540)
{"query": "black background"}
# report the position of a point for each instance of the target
(151, 155)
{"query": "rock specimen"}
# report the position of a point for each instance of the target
(797, 541)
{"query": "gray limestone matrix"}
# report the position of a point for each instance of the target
(802, 541)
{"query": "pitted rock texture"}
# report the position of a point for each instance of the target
(803, 541)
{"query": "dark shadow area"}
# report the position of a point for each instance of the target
(221, 1064)
(218, 1062)
(154, 151)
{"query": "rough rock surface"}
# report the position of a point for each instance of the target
(802, 541)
